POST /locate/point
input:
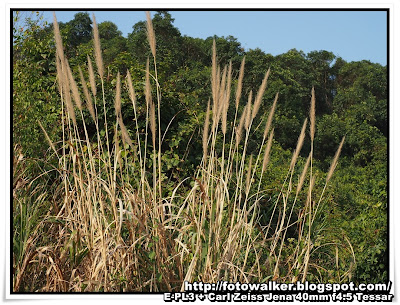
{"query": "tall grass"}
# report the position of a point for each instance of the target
(111, 228)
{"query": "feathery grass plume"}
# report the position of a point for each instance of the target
(222, 91)
(260, 94)
(241, 121)
(248, 178)
(205, 131)
(229, 82)
(303, 174)
(58, 39)
(59, 74)
(153, 122)
(227, 96)
(62, 70)
(74, 88)
(117, 102)
(240, 83)
(150, 34)
(221, 94)
(312, 115)
(222, 87)
(147, 84)
(335, 160)
(125, 134)
(270, 116)
(97, 48)
(248, 113)
(88, 98)
(91, 76)
(217, 101)
(299, 144)
(67, 91)
(132, 94)
(225, 92)
(117, 155)
(48, 138)
(267, 151)
(68, 102)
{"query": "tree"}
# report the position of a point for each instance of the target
(79, 31)
(33, 90)
(112, 44)
(363, 82)
(321, 62)
(168, 42)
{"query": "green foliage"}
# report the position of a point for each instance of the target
(79, 30)
(34, 85)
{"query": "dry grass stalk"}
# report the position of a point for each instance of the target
(74, 88)
(270, 116)
(97, 48)
(118, 97)
(117, 154)
(240, 83)
(312, 115)
(300, 142)
(88, 98)
(303, 174)
(248, 178)
(147, 85)
(153, 122)
(205, 131)
(247, 120)
(260, 94)
(335, 161)
(310, 188)
(224, 116)
(48, 138)
(91, 76)
(150, 34)
(267, 151)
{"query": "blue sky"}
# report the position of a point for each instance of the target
(352, 35)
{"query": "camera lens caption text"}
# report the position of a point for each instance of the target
(272, 291)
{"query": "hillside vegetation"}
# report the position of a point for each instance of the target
(146, 161)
